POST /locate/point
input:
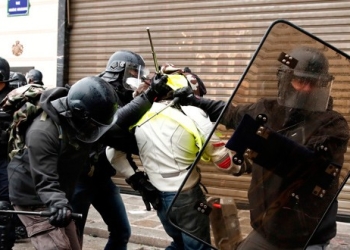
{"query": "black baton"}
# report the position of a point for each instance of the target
(41, 214)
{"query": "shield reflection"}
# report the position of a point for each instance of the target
(286, 125)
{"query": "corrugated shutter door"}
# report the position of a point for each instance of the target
(216, 39)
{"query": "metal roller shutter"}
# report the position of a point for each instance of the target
(216, 39)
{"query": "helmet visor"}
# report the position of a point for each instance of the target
(134, 75)
(322, 80)
(92, 130)
(305, 91)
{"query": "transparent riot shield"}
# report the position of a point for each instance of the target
(286, 127)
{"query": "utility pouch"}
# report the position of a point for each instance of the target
(224, 223)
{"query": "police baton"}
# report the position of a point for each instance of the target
(75, 216)
(153, 52)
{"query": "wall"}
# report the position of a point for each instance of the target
(216, 39)
(37, 32)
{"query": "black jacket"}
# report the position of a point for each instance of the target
(5, 121)
(47, 171)
(274, 211)
(98, 169)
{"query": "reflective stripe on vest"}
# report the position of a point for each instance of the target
(183, 120)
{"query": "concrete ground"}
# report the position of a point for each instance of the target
(90, 243)
(148, 232)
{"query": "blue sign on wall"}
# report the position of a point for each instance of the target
(17, 7)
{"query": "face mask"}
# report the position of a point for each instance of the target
(133, 82)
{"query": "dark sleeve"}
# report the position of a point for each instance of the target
(233, 114)
(132, 112)
(212, 107)
(121, 140)
(43, 151)
(334, 134)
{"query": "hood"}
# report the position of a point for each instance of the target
(50, 95)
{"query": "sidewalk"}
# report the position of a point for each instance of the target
(147, 229)
(148, 233)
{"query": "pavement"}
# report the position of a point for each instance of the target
(148, 232)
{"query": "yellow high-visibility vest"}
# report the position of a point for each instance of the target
(184, 121)
(177, 82)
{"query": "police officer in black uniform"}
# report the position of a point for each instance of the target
(43, 175)
(309, 137)
(95, 186)
(7, 227)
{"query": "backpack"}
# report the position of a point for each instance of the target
(23, 104)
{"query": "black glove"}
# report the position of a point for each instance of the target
(60, 215)
(150, 195)
(158, 87)
(184, 95)
(5, 218)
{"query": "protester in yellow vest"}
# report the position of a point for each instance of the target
(169, 138)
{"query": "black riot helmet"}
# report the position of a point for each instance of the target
(4, 70)
(125, 66)
(17, 80)
(92, 104)
(304, 66)
(35, 76)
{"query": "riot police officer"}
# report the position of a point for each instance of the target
(7, 225)
(34, 76)
(306, 136)
(58, 144)
(95, 186)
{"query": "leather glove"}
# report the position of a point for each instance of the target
(158, 87)
(186, 96)
(150, 195)
(61, 215)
